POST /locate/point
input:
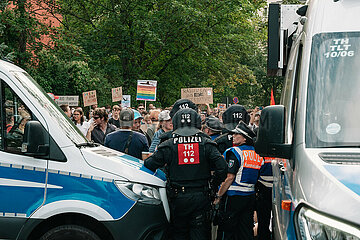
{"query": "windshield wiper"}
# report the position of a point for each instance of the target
(342, 146)
(87, 144)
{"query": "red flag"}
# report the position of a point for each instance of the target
(272, 100)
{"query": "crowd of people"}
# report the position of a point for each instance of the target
(215, 178)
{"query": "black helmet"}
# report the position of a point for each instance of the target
(181, 104)
(213, 123)
(233, 115)
(186, 122)
(243, 129)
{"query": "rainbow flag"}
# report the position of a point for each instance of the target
(146, 90)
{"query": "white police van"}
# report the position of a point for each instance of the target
(54, 184)
(315, 132)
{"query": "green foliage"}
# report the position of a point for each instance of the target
(180, 43)
(20, 31)
(66, 76)
(5, 54)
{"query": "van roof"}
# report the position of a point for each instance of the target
(8, 67)
(333, 16)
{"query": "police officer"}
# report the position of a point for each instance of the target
(212, 127)
(188, 158)
(264, 201)
(244, 166)
(182, 104)
(179, 104)
(264, 198)
(231, 117)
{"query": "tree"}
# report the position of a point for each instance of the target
(178, 43)
(63, 70)
(59, 67)
(20, 31)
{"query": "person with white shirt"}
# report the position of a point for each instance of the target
(78, 118)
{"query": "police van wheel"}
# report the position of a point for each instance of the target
(69, 232)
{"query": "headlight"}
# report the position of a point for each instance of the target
(311, 224)
(139, 192)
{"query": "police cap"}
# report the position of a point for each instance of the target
(243, 129)
(233, 115)
(213, 123)
(181, 104)
(186, 122)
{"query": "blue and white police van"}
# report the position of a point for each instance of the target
(54, 184)
(314, 133)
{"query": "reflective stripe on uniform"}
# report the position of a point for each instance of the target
(267, 178)
(242, 189)
(266, 184)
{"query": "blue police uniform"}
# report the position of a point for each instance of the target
(213, 137)
(245, 164)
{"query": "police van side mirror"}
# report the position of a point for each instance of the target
(36, 140)
(271, 133)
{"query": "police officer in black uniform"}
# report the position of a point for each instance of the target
(189, 158)
(182, 104)
(212, 127)
(231, 117)
(179, 104)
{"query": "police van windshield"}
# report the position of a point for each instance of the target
(333, 101)
(54, 111)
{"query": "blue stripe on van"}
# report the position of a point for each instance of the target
(101, 193)
(137, 163)
(347, 175)
(20, 199)
(22, 191)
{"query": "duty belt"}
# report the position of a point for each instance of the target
(178, 189)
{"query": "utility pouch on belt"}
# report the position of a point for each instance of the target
(170, 190)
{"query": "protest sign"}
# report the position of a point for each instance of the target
(72, 101)
(198, 95)
(221, 106)
(146, 90)
(116, 94)
(126, 101)
(89, 98)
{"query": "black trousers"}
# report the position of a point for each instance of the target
(190, 216)
(263, 209)
(239, 218)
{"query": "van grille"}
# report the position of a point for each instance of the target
(341, 158)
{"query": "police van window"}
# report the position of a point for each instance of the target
(55, 113)
(296, 88)
(290, 93)
(332, 116)
(16, 116)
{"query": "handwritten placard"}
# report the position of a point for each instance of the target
(116, 94)
(89, 98)
(126, 101)
(221, 106)
(198, 95)
(69, 100)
